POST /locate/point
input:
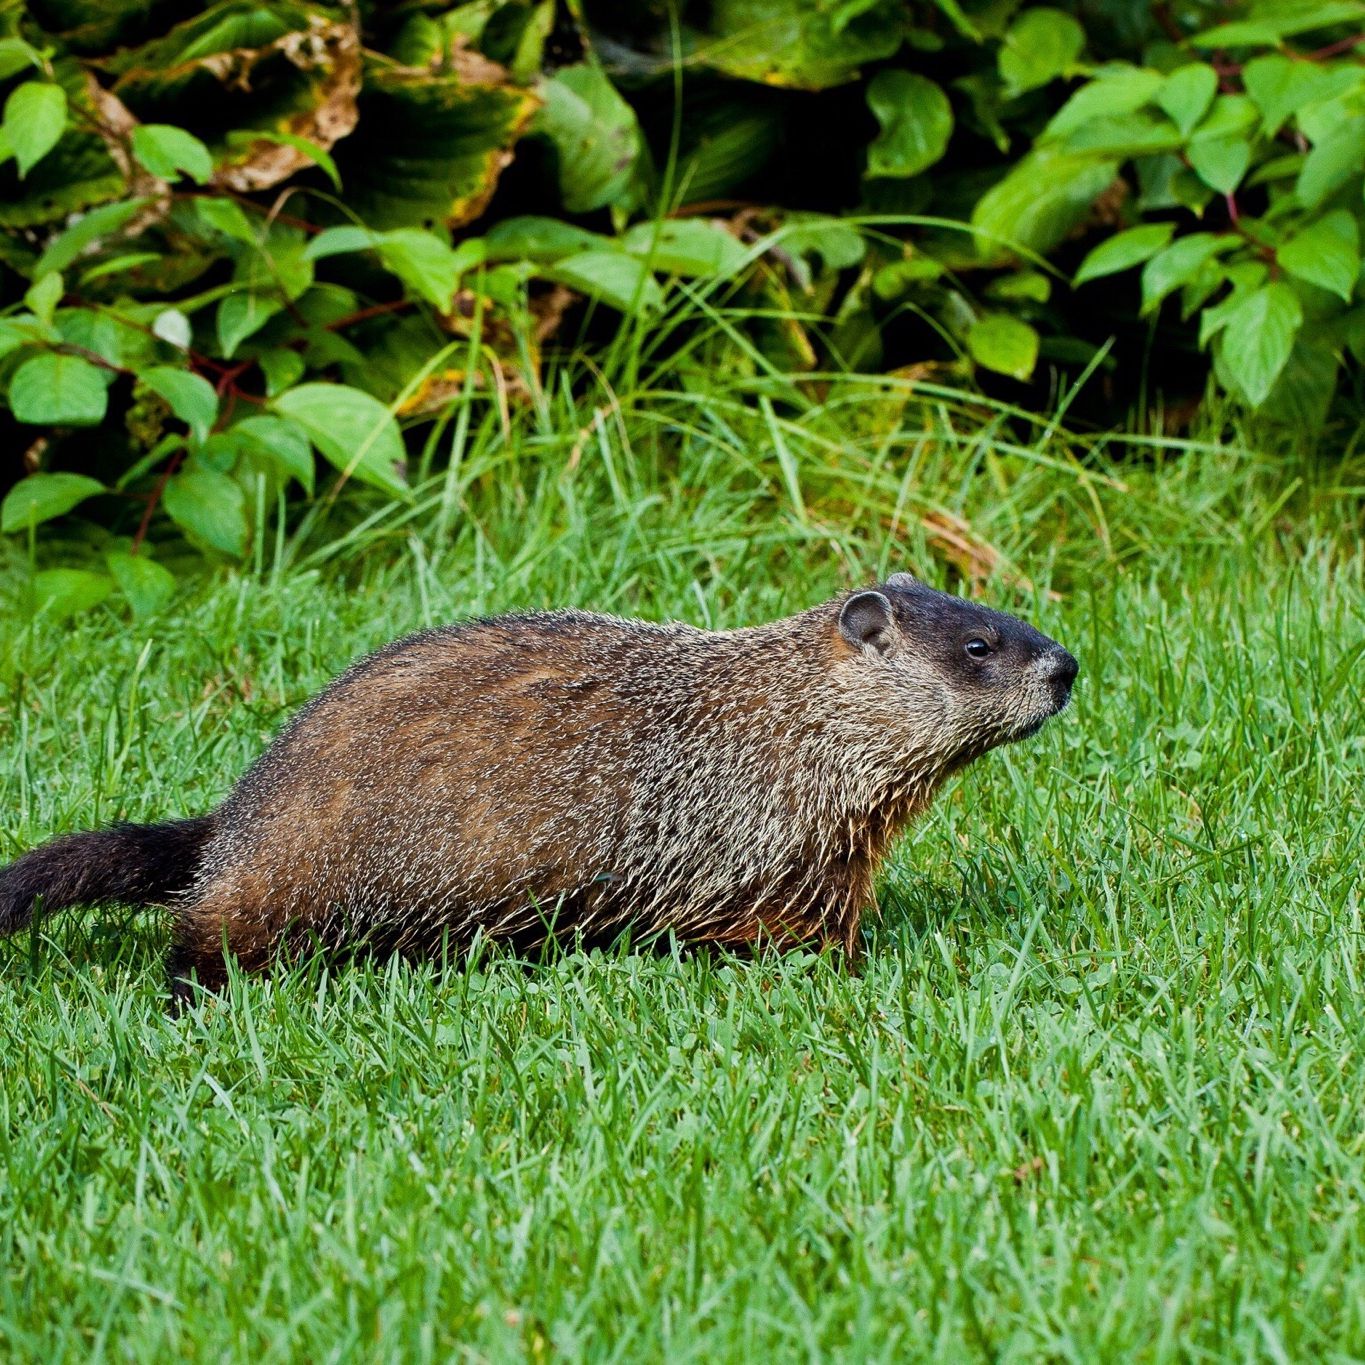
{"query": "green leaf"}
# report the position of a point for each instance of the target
(596, 135)
(1040, 45)
(146, 585)
(1041, 199)
(1246, 34)
(1139, 134)
(422, 260)
(115, 337)
(62, 593)
(223, 217)
(804, 236)
(1245, 277)
(429, 267)
(429, 146)
(686, 246)
(338, 241)
(798, 46)
(1202, 286)
(617, 279)
(1220, 162)
(1187, 93)
(1165, 182)
(1279, 19)
(1333, 161)
(241, 315)
(837, 243)
(1230, 114)
(900, 277)
(1116, 90)
(121, 264)
(1220, 148)
(23, 330)
(1255, 343)
(190, 396)
(282, 368)
(88, 230)
(1004, 344)
(44, 295)
(1179, 263)
(280, 441)
(916, 122)
(1279, 88)
(1124, 250)
(166, 151)
(42, 497)
(279, 265)
(1325, 253)
(351, 429)
(1032, 285)
(35, 117)
(15, 55)
(58, 390)
(209, 508)
(75, 173)
(1302, 396)
(531, 238)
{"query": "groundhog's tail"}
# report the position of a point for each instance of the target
(125, 865)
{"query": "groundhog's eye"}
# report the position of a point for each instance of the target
(978, 649)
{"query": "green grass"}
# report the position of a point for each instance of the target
(1096, 1095)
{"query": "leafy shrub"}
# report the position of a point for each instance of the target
(238, 239)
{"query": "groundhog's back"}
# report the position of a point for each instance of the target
(477, 763)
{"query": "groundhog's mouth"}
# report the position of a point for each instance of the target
(1028, 731)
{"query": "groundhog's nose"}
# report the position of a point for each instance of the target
(1062, 667)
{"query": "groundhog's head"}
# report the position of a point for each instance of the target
(965, 678)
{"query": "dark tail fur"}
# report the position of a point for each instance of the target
(125, 865)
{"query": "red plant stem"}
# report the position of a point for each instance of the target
(94, 357)
(1227, 70)
(1162, 14)
(1333, 49)
(197, 361)
(141, 533)
(375, 310)
(228, 378)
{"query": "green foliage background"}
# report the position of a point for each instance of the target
(242, 239)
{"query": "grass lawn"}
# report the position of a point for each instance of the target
(1099, 1092)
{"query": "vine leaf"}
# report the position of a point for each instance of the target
(41, 497)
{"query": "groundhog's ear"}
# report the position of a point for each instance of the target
(866, 621)
(902, 580)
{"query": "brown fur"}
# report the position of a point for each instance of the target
(584, 774)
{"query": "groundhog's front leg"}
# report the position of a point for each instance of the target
(845, 934)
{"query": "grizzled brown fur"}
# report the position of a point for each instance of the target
(573, 773)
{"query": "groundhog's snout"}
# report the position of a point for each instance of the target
(1060, 668)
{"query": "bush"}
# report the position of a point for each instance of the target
(242, 237)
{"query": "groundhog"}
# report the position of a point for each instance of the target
(573, 775)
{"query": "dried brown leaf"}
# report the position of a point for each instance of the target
(327, 45)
